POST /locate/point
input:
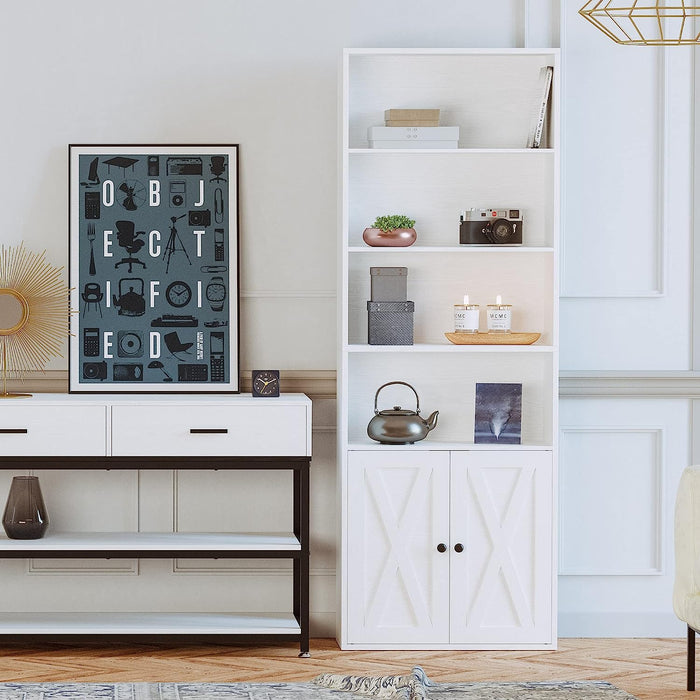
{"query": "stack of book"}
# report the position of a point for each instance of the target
(412, 128)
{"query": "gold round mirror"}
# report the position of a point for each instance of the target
(34, 313)
(14, 311)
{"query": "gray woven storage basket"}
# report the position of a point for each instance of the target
(390, 322)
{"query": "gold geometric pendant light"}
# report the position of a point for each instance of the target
(645, 22)
(34, 312)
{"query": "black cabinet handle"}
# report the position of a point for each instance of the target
(442, 548)
(459, 547)
(13, 431)
(208, 431)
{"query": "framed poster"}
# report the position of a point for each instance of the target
(154, 268)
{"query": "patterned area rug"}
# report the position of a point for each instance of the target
(412, 686)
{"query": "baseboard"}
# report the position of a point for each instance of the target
(620, 624)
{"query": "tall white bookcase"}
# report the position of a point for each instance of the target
(447, 543)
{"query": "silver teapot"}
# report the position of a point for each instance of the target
(400, 426)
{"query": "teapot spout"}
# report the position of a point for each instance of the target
(432, 420)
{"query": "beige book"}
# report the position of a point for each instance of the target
(412, 122)
(411, 114)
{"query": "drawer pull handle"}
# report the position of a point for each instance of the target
(442, 548)
(208, 431)
(13, 431)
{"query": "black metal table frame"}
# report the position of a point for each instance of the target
(300, 557)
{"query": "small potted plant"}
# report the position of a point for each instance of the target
(390, 230)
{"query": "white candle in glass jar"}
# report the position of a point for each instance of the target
(499, 316)
(466, 317)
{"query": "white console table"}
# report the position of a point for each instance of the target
(165, 432)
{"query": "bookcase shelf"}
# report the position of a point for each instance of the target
(399, 502)
(462, 249)
(448, 347)
(451, 151)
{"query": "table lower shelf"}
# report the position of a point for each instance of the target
(154, 544)
(108, 623)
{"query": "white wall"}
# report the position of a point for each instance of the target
(265, 76)
(626, 329)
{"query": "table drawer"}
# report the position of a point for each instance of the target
(187, 429)
(40, 431)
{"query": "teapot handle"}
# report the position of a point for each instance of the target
(376, 396)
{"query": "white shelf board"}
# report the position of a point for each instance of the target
(147, 623)
(448, 347)
(443, 151)
(501, 249)
(154, 541)
(427, 445)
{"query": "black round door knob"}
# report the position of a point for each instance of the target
(442, 548)
(459, 547)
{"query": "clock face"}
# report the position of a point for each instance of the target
(178, 294)
(266, 382)
(216, 291)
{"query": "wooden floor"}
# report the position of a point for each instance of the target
(647, 668)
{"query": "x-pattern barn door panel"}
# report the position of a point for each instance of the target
(398, 586)
(501, 584)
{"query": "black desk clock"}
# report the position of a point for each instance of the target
(266, 382)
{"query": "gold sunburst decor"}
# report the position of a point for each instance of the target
(645, 22)
(34, 312)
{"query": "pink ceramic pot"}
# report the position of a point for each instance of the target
(397, 237)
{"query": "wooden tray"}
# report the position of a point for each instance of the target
(492, 338)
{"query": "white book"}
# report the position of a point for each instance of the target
(539, 112)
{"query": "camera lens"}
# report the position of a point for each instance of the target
(501, 231)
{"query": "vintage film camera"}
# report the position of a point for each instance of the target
(491, 227)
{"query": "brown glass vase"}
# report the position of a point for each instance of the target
(25, 516)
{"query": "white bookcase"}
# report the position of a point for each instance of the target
(493, 584)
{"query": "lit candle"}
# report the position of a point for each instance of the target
(499, 316)
(466, 317)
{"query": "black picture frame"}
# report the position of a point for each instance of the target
(154, 268)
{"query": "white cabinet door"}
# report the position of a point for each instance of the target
(501, 513)
(398, 514)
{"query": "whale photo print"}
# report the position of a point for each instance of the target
(154, 268)
(498, 413)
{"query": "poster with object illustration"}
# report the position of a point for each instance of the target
(154, 268)
(498, 413)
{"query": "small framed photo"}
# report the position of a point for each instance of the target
(154, 268)
(498, 413)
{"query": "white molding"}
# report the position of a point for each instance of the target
(233, 569)
(249, 294)
(95, 567)
(126, 567)
(321, 384)
(659, 465)
(681, 385)
(662, 197)
(524, 41)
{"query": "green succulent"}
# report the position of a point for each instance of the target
(393, 221)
